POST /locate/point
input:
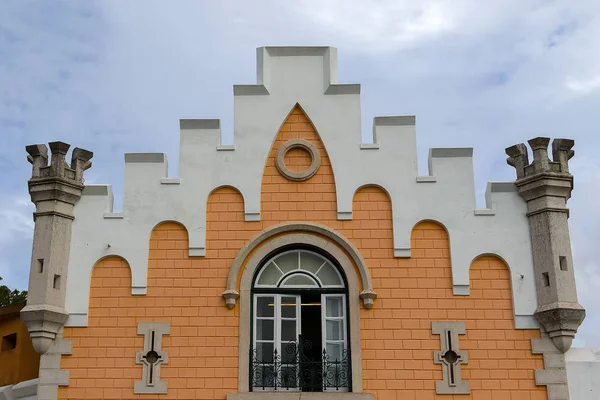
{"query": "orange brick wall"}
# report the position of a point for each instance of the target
(297, 159)
(22, 362)
(397, 344)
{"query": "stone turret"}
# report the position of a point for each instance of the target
(546, 186)
(54, 190)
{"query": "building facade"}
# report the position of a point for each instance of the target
(300, 262)
(18, 360)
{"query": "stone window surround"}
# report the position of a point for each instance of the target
(258, 253)
(299, 176)
(367, 295)
(153, 333)
(452, 329)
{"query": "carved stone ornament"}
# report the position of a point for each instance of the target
(298, 144)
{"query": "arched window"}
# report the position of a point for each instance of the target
(300, 331)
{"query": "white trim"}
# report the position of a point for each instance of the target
(285, 275)
(277, 326)
(282, 284)
(324, 319)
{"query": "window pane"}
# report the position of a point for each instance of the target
(288, 330)
(270, 275)
(298, 280)
(265, 329)
(334, 351)
(264, 352)
(288, 307)
(329, 276)
(334, 330)
(265, 306)
(287, 262)
(310, 262)
(334, 307)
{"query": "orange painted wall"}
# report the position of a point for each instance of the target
(22, 362)
(396, 341)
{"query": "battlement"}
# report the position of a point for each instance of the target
(58, 168)
(304, 66)
(561, 154)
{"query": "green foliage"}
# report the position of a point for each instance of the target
(8, 297)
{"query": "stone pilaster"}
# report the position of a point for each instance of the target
(546, 186)
(54, 189)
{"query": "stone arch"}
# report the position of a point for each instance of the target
(280, 236)
(241, 260)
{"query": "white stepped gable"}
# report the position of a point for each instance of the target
(307, 76)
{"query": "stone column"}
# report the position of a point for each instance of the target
(54, 190)
(546, 186)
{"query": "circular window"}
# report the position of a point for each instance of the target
(302, 145)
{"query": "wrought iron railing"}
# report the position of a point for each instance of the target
(296, 368)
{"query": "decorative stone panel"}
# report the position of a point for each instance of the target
(151, 358)
(300, 175)
(451, 358)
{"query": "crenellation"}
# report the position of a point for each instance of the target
(199, 124)
(454, 164)
(38, 157)
(518, 158)
(541, 162)
(142, 172)
(562, 153)
(101, 196)
(80, 162)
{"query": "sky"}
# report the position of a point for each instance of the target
(116, 76)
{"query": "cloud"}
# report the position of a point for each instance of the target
(15, 214)
(115, 77)
(377, 26)
(583, 86)
(16, 232)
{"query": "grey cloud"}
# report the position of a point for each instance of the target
(116, 76)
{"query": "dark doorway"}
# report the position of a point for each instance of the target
(310, 343)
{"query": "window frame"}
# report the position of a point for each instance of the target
(315, 236)
(276, 292)
(286, 275)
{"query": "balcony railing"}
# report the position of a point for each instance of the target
(297, 369)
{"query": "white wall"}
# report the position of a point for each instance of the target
(583, 373)
(307, 76)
